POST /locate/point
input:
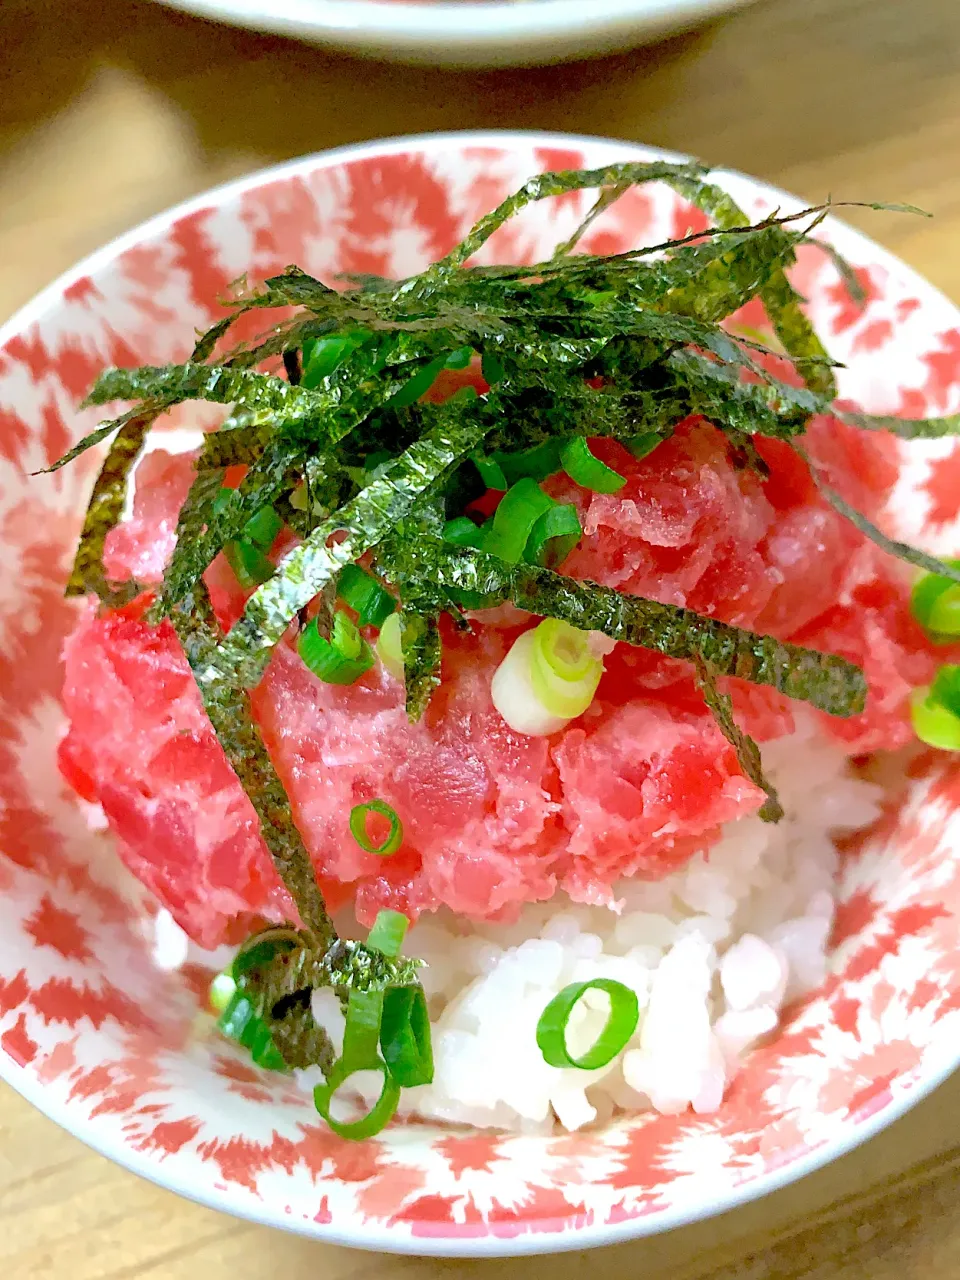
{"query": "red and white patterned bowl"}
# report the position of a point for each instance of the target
(475, 33)
(111, 1048)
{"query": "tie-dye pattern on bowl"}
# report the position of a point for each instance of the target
(114, 1050)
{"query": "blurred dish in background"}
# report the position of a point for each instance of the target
(464, 33)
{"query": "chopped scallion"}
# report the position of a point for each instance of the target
(250, 566)
(935, 603)
(462, 532)
(262, 529)
(340, 660)
(643, 444)
(933, 723)
(240, 1022)
(405, 1036)
(564, 669)
(554, 536)
(945, 689)
(379, 1115)
(361, 1032)
(514, 519)
(388, 932)
(390, 645)
(588, 471)
(621, 1024)
(222, 990)
(460, 358)
(490, 473)
(322, 355)
(537, 463)
(359, 816)
(364, 594)
(417, 385)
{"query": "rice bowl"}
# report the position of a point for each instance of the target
(758, 924)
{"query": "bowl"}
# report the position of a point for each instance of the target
(491, 33)
(116, 1050)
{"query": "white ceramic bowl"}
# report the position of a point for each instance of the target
(492, 33)
(111, 1048)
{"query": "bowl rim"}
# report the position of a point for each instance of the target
(471, 30)
(387, 1239)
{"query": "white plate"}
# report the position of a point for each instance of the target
(463, 33)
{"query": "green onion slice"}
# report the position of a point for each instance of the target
(260, 949)
(361, 1032)
(262, 528)
(358, 827)
(405, 1036)
(379, 1115)
(945, 689)
(944, 619)
(933, 723)
(237, 1016)
(554, 536)
(564, 671)
(241, 1023)
(390, 645)
(514, 519)
(643, 444)
(588, 471)
(935, 603)
(460, 358)
(490, 473)
(417, 385)
(222, 991)
(620, 1026)
(322, 355)
(462, 532)
(388, 932)
(250, 566)
(537, 463)
(340, 660)
(364, 594)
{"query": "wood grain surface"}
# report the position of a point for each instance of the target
(112, 110)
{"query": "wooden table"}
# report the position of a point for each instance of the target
(111, 110)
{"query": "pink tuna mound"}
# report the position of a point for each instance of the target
(494, 819)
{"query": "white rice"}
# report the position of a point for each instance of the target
(713, 952)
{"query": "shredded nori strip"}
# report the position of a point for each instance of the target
(828, 682)
(720, 705)
(420, 645)
(106, 507)
(581, 345)
(232, 720)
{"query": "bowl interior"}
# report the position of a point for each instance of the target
(118, 1052)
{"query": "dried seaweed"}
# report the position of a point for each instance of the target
(106, 506)
(345, 965)
(420, 644)
(720, 706)
(905, 428)
(231, 717)
(826, 681)
(300, 1040)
